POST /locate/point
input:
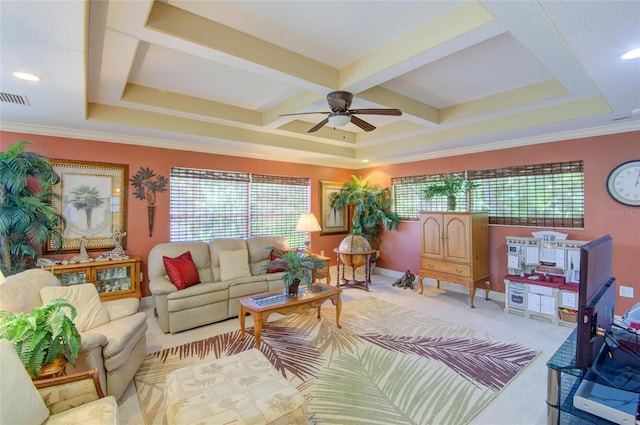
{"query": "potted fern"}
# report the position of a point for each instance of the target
(297, 266)
(42, 335)
(450, 186)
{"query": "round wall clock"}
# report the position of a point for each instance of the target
(623, 183)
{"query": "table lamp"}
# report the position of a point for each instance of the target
(2, 278)
(308, 223)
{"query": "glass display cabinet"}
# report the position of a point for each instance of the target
(113, 279)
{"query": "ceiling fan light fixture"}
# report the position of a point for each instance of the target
(339, 120)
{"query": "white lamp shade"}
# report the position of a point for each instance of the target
(339, 120)
(2, 278)
(308, 223)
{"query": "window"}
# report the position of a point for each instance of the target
(207, 204)
(408, 196)
(542, 195)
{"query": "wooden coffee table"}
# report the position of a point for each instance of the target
(260, 306)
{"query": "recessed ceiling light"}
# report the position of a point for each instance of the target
(27, 76)
(364, 160)
(631, 54)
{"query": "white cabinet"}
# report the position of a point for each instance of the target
(542, 278)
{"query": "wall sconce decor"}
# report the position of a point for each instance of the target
(146, 188)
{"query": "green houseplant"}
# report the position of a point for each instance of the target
(371, 208)
(450, 186)
(42, 334)
(27, 217)
(297, 266)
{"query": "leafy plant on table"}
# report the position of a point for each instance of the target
(450, 186)
(296, 265)
(43, 333)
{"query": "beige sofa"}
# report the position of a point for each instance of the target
(116, 348)
(214, 299)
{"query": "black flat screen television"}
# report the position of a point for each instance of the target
(596, 299)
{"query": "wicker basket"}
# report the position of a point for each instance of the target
(569, 316)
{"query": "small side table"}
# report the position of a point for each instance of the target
(322, 273)
(53, 370)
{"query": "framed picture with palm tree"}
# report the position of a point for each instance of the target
(93, 200)
(333, 221)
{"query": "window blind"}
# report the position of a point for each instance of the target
(543, 195)
(205, 204)
(540, 195)
(409, 200)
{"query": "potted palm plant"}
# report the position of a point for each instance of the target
(42, 336)
(371, 206)
(297, 266)
(28, 217)
(450, 186)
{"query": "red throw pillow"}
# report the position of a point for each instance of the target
(274, 256)
(181, 270)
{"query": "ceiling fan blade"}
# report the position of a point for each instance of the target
(395, 112)
(303, 113)
(339, 101)
(318, 126)
(362, 124)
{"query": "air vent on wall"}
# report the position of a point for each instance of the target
(14, 98)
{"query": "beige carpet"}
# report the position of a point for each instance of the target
(387, 365)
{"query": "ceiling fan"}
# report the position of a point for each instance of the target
(339, 103)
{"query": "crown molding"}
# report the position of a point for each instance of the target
(227, 150)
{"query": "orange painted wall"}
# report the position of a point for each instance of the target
(400, 249)
(160, 161)
(603, 215)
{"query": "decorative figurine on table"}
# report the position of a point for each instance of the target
(83, 257)
(406, 281)
(117, 253)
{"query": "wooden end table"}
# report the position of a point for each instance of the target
(322, 273)
(260, 306)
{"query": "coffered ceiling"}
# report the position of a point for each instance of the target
(216, 76)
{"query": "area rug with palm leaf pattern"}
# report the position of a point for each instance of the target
(387, 365)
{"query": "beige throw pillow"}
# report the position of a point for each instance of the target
(234, 264)
(85, 298)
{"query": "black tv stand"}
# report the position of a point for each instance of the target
(613, 371)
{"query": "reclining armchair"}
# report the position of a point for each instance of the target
(113, 333)
(72, 399)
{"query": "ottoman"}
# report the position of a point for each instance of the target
(240, 389)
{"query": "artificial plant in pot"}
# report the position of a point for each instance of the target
(450, 186)
(297, 267)
(371, 207)
(147, 183)
(27, 217)
(42, 335)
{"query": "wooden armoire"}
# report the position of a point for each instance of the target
(455, 249)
